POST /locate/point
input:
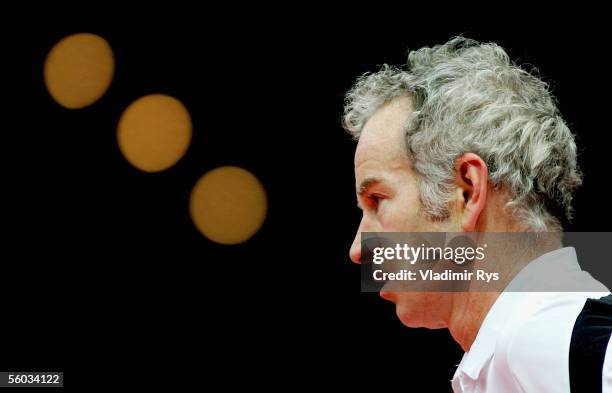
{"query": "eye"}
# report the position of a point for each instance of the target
(374, 200)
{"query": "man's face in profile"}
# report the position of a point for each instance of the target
(388, 194)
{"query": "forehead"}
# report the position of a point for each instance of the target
(382, 137)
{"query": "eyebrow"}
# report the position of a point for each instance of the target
(367, 183)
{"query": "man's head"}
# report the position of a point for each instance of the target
(461, 139)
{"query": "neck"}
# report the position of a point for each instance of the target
(470, 308)
(468, 312)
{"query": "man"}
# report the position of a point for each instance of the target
(463, 140)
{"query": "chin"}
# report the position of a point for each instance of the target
(411, 319)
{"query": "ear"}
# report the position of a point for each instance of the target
(471, 176)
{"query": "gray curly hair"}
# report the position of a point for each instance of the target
(469, 97)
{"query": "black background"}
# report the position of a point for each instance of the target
(104, 272)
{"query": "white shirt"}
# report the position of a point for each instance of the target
(523, 343)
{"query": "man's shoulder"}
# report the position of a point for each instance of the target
(534, 347)
(543, 323)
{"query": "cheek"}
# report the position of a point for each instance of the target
(402, 213)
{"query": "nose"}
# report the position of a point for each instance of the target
(355, 252)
